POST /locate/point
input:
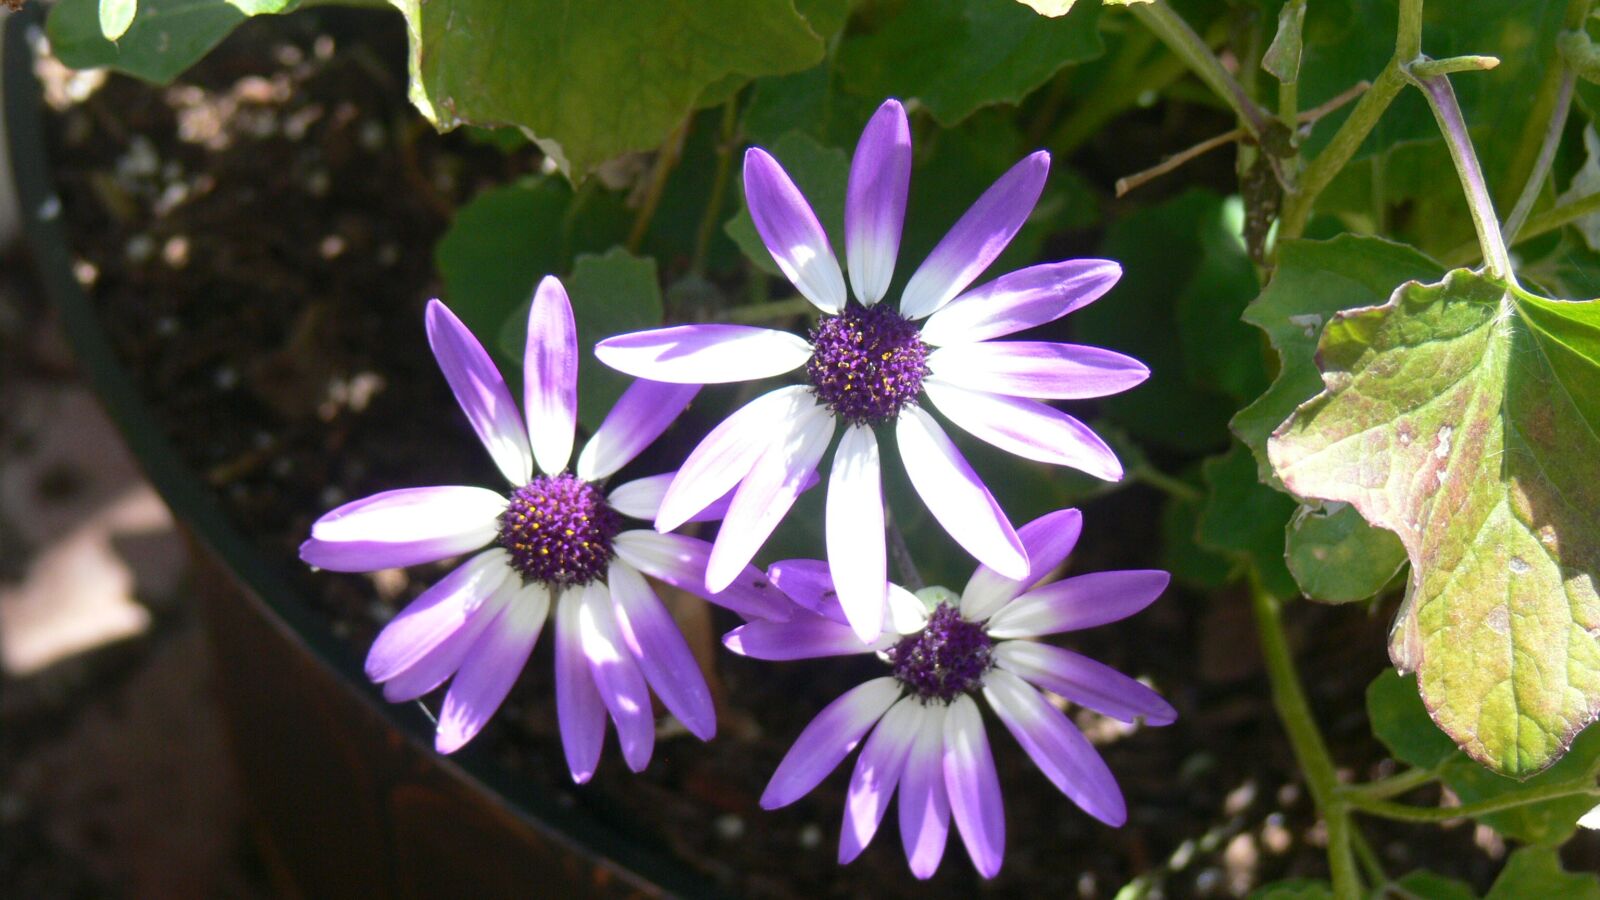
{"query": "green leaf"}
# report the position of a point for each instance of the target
(1218, 352)
(1246, 519)
(1313, 281)
(158, 42)
(958, 56)
(1336, 557)
(593, 80)
(1401, 723)
(820, 173)
(1162, 252)
(611, 294)
(1282, 58)
(1537, 872)
(1464, 418)
(507, 238)
(1425, 885)
(1189, 562)
(116, 16)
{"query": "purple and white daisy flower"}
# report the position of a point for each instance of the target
(943, 651)
(557, 541)
(867, 365)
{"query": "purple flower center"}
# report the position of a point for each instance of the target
(559, 530)
(944, 660)
(868, 363)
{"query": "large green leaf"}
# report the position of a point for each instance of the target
(163, 38)
(592, 80)
(958, 56)
(1463, 417)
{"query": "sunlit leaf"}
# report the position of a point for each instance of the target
(593, 80)
(116, 16)
(1463, 417)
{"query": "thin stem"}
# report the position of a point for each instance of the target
(910, 578)
(719, 186)
(1393, 786)
(1176, 488)
(1370, 864)
(1547, 156)
(1402, 812)
(666, 160)
(1429, 68)
(1305, 739)
(1543, 223)
(1442, 98)
(1181, 40)
(1320, 172)
(1408, 33)
(1129, 182)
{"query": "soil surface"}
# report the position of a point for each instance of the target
(259, 238)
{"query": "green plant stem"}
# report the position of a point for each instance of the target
(1173, 487)
(728, 139)
(666, 160)
(1552, 108)
(1320, 172)
(1402, 812)
(1442, 98)
(1393, 786)
(1546, 158)
(1370, 864)
(1196, 54)
(1305, 739)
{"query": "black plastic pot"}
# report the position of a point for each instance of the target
(348, 796)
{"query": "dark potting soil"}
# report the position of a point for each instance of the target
(259, 240)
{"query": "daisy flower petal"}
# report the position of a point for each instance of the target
(791, 232)
(725, 456)
(481, 392)
(680, 561)
(828, 739)
(1026, 428)
(403, 527)
(1047, 539)
(704, 354)
(924, 801)
(875, 201)
(659, 648)
(978, 237)
(876, 774)
(1084, 681)
(853, 531)
(1038, 369)
(436, 614)
(766, 494)
(974, 786)
(1056, 746)
(641, 414)
(1021, 300)
(492, 665)
(805, 636)
(809, 584)
(439, 663)
(581, 712)
(956, 496)
(616, 676)
(550, 376)
(1080, 602)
